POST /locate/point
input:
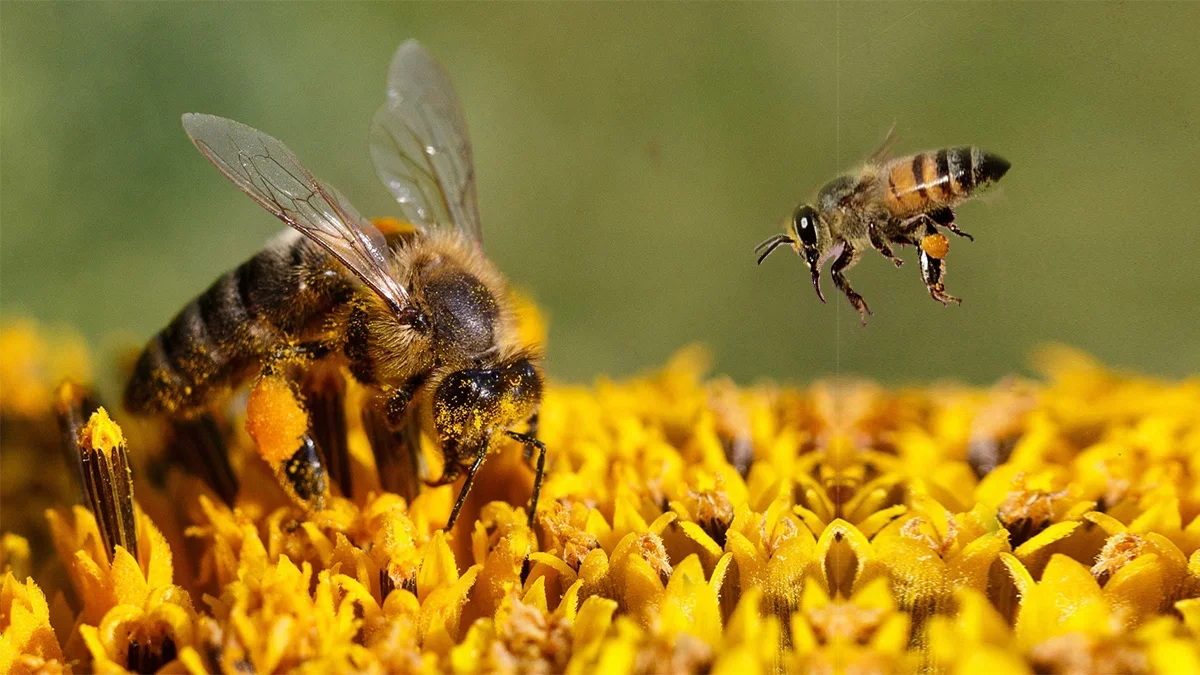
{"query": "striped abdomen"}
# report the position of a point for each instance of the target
(937, 178)
(225, 332)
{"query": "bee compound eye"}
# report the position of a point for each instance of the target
(806, 226)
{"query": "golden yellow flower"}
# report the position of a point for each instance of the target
(685, 525)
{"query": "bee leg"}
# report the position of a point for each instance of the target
(932, 271)
(397, 401)
(845, 261)
(466, 488)
(324, 391)
(305, 473)
(532, 442)
(399, 461)
(880, 245)
(300, 352)
(945, 217)
(531, 431)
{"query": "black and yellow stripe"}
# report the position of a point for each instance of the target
(231, 325)
(937, 178)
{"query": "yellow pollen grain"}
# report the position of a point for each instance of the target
(275, 419)
(936, 245)
(393, 226)
(102, 433)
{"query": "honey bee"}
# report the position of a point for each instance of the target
(424, 319)
(888, 201)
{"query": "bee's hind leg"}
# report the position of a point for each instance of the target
(848, 257)
(945, 217)
(933, 269)
(878, 243)
(285, 354)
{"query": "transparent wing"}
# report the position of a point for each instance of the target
(881, 154)
(420, 145)
(266, 170)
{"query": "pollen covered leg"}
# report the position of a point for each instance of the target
(281, 428)
(934, 247)
(845, 261)
(880, 245)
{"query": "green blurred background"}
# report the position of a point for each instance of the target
(630, 156)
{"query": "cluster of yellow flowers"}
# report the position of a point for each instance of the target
(686, 525)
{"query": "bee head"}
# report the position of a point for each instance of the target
(473, 404)
(804, 235)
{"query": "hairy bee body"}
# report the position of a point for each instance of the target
(899, 201)
(285, 293)
(293, 294)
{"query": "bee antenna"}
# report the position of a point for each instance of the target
(770, 245)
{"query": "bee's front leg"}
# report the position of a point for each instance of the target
(531, 442)
(531, 431)
(845, 261)
(480, 455)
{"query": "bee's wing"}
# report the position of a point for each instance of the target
(420, 145)
(266, 170)
(884, 151)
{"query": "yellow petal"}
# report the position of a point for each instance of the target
(690, 604)
(592, 621)
(1067, 599)
(438, 568)
(440, 611)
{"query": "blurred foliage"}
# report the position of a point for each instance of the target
(629, 158)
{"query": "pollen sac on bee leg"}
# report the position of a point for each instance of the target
(279, 424)
(325, 395)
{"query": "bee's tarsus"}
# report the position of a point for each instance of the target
(933, 271)
(954, 228)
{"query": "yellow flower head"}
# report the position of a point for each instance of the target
(685, 525)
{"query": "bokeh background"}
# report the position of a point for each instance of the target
(629, 157)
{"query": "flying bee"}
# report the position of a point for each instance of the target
(888, 201)
(424, 318)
